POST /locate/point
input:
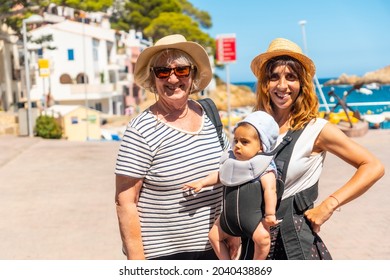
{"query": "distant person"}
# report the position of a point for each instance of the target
(249, 177)
(285, 90)
(169, 144)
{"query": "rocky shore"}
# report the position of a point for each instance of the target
(381, 76)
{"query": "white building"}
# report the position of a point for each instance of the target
(10, 76)
(82, 68)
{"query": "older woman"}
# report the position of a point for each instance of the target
(167, 145)
(285, 90)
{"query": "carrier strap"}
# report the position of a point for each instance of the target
(212, 112)
(282, 160)
(297, 245)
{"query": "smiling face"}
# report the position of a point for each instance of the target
(284, 87)
(246, 142)
(173, 89)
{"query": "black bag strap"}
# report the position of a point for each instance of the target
(212, 112)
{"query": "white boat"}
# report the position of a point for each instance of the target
(374, 118)
(387, 115)
(373, 86)
(365, 91)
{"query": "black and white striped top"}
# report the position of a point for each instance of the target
(172, 220)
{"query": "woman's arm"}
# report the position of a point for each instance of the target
(126, 199)
(368, 171)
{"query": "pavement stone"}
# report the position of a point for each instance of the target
(57, 202)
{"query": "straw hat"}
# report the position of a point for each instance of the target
(176, 41)
(278, 47)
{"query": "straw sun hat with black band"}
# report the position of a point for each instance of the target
(175, 41)
(279, 47)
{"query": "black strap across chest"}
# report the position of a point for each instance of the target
(297, 245)
(213, 114)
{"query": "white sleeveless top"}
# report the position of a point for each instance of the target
(305, 168)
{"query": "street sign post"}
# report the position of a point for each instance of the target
(226, 48)
(44, 70)
(225, 54)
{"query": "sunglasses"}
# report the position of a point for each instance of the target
(165, 72)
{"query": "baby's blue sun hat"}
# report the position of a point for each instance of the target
(266, 126)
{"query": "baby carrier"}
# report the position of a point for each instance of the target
(297, 244)
(243, 207)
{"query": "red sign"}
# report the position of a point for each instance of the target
(226, 48)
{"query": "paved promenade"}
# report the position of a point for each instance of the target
(57, 202)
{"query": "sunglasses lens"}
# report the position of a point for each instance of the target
(162, 72)
(165, 72)
(183, 71)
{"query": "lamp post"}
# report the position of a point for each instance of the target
(29, 20)
(302, 24)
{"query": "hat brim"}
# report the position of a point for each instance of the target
(196, 51)
(258, 62)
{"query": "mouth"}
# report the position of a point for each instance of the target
(174, 87)
(282, 95)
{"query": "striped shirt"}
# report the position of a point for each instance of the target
(172, 220)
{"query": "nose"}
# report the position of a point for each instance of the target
(172, 76)
(282, 83)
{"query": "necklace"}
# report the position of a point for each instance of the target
(164, 117)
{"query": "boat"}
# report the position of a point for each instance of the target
(387, 115)
(373, 86)
(365, 91)
(348, 119)
(374, 118)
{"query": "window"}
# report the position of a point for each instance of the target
(82, 79)
(65, 79)
(95, 49)
(70, 54)
(99, 107)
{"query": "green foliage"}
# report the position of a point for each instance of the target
(137, 14)
(48, 128)
(85, 5)
(158, 18)
(200, 16)
(169, 23)
(44, 41)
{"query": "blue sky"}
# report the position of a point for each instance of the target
(342, 36)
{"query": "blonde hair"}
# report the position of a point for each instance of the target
(168, 56)
(305, 107)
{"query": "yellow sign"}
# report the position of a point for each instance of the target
(44, 70)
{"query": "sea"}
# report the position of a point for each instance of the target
(369, 99)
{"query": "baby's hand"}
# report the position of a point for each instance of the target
(196, 186)
(271, 220)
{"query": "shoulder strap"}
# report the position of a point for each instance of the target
(282, 160)
(213, 114)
